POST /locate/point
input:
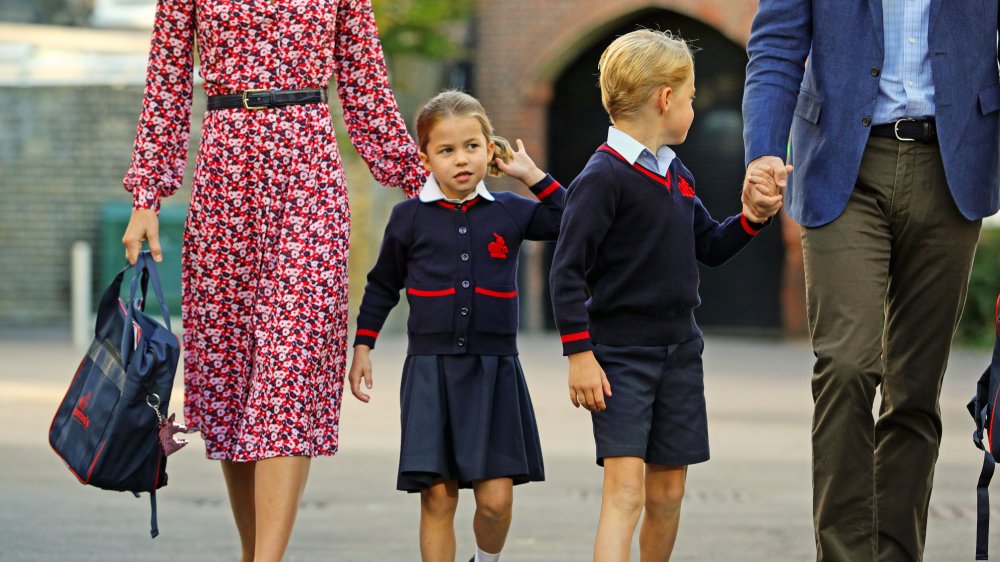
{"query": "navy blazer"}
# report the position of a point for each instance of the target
(814, 69)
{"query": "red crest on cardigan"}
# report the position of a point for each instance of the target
(498, 248)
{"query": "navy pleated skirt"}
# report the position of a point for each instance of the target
(466, 418)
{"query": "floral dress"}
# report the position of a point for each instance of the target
(266, 240)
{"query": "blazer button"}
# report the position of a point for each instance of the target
(465, 257)
(462, 230)
(866, 121)
(465, 311)
(465, 284)
(461, 342)
(875, 71)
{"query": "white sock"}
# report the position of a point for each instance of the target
(485, 556)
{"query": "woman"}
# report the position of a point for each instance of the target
(265, 245)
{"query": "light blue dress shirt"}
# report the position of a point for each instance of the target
(906, 85)
(635, 152)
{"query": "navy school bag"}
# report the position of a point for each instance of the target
(107, 427)
(983, 407)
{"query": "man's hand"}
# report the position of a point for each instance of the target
(588, 385)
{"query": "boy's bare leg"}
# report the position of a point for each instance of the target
(240, 484)
(494, 502)
(621, 505)
(664, 492)
(437, 522)
(278, 486)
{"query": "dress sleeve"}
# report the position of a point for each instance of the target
(374, 124)
(161, 139)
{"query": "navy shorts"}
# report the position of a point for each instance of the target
(657, 408)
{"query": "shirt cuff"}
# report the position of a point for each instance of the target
(365, 337)
(145, 197)
(547, 186)
(575, 342)
(753, 228)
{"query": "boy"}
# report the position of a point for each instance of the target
(630, 237)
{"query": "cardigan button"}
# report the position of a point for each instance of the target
(465, 257)
(461, 342)
(462, 230)
(465, 284)
(465, 311)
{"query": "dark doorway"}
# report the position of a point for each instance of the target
(742, 295)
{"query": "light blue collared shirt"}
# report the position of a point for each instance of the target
(431, 191)
(634, 151)
(906, 83)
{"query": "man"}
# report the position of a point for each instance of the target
(892, 107)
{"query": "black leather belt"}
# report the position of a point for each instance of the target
(263, 99)
(908, 130)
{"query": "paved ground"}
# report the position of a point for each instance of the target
(751, 502)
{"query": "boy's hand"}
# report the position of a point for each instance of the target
(588, 385)
(521, 167)
(762, 195)
(361, 368)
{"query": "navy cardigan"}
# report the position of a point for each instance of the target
(625, 268)
(458, 263)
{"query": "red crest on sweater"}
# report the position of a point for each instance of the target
(685, 187)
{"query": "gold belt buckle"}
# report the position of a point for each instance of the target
(246, 104)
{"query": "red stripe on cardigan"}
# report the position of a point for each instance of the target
(422, 293)
(497, 294)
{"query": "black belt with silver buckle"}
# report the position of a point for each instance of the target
(263, 99)
(908, 130)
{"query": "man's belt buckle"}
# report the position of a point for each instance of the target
(246, 104)
(895, 129)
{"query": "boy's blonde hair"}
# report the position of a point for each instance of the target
(453, 103)
(636, 64)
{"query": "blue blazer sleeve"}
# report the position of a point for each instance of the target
(780, 40)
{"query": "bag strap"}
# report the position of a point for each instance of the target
(154, 530)
(983, 507)
(145, 269)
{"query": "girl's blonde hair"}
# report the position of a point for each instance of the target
(636, 64)
(453, 103)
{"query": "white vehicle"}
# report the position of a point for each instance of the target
(123, 13)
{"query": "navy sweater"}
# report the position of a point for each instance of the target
(458, 264)
(624, 270)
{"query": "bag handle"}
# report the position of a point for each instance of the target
(145, 269)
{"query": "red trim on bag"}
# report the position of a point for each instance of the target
(422, 293)
(94, 463)
(53, 423)
(575, 337)
(370, 333)
(548, 190)
(497, 294)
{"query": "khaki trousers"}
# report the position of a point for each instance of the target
(885, 284)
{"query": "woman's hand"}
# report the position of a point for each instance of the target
(521, 166)
(143, 226)
(361, 368)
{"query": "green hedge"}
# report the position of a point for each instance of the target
(977, 325)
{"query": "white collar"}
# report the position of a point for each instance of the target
(431, 191)
(631, 149)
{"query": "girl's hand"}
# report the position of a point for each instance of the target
(361, 368)
(521, 167)
(588, 384)
(144, 225)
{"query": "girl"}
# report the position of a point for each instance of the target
(467, 419)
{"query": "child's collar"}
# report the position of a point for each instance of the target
(431, 192)
(630, 149)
